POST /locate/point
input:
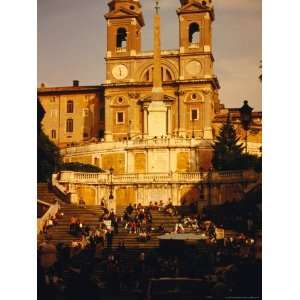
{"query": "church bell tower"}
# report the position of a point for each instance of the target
(124, 22)
(199, 91)
(195, 19)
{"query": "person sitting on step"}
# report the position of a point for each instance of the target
(179, 228)
(160, 205)
(81, 203)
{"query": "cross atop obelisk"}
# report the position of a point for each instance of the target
(157, 91)
(157, 6)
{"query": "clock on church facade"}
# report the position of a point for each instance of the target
(187, 73)
(153, 120)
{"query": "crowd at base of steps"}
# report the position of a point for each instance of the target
(93, 272)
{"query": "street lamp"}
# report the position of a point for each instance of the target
(246, 119)
(111, 196)
(209, 181)
(193, 132)
(129, 129)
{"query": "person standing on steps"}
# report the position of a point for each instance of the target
(109, 238)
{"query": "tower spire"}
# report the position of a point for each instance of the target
(157, 76)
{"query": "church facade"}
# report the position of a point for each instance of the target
(156, 115)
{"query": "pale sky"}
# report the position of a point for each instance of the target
(72, 43)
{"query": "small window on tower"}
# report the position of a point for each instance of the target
(194, 114)
(121, 39)
(194, 35)
(120, 117)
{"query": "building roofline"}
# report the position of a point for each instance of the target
(69, 89)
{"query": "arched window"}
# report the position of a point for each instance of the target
(194, 34)
(70, 106)
(168, 76)
(121, 38)
(69, 125)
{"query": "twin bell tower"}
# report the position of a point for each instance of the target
(161, 93)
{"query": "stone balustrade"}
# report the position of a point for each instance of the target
(191, 177)
(137, 143)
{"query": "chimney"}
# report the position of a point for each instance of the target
(75, 83)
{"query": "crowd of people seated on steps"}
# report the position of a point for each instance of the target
(102, 233)
(138, 220)
(94, 272)
(52, 221)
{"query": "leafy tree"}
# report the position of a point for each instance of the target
(48, 157)
(228, 152)
(79, 167)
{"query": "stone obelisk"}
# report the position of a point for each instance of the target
(157, 110)
(157, 89)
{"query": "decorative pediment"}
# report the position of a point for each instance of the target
(125, 13)
(119, 101)
(194, 7)
(149, 98)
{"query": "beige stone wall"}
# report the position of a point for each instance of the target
(183, 161)
(85, 116)
(125, 196)
(84, 159)
(189, 194)
(179, 194)
(114, 160)
(140, 162)
(88, 194)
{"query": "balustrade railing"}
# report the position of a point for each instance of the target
(155, 142)
(189, 177)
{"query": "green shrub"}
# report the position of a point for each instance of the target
(79, 167)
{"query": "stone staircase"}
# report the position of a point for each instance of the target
(45, 195)
(89, 215)
(130, 240)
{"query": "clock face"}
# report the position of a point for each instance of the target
(120, 71)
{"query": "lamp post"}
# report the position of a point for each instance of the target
(193, 132)
(246, 119)
(129, 130)
(111, 196)
(209, 181)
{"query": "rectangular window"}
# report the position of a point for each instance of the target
(53, 134)
(70, 106)
(69, 127)
(52, 99)
(120, 117)
(194, 114)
